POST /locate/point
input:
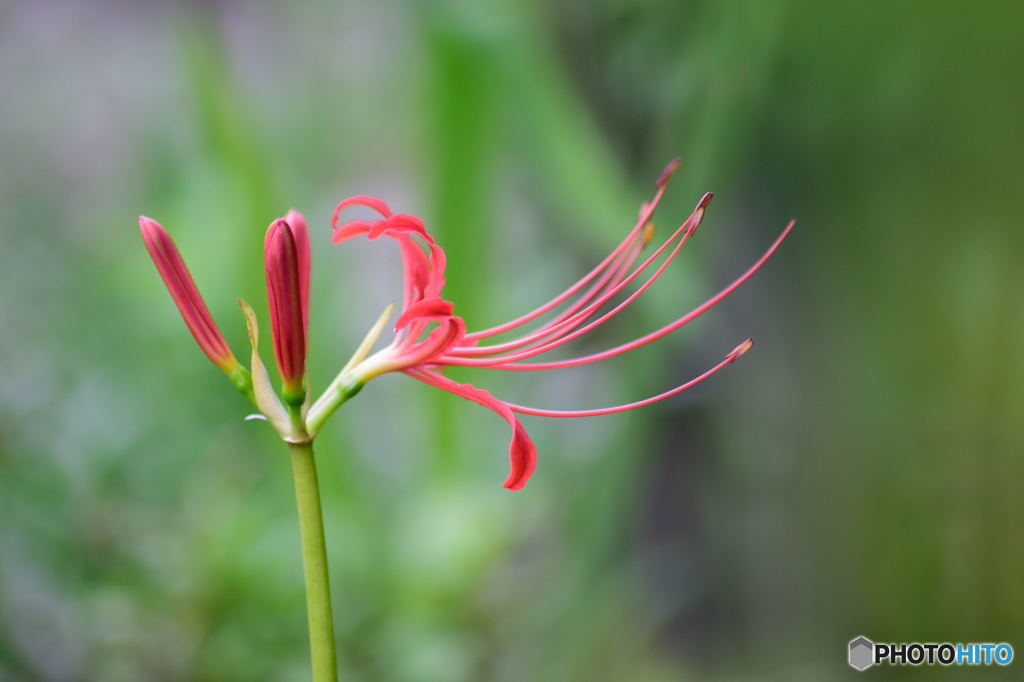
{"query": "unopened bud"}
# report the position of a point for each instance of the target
(190, 303)
(287, 294)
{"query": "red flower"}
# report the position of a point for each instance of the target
(429, 336)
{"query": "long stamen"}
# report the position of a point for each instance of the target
(613, 275)
(569, 330)
(644, 219)
(563, 328)
(608, 280)
(643, 340)
(360, 200)
(729, 359)
(612, 278)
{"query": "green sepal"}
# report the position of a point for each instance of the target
(242, 380)
(263, 392)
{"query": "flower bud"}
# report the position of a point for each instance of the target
(191, 305)
(287, 262)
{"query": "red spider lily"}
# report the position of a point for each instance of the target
(430, 337)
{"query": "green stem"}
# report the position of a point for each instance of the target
(314, 563)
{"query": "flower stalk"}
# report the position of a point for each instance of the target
(287, 271)
(314, 563)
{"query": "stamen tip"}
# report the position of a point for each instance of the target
(649, 231)
(698, 214)
(739, 350)
(667, 173)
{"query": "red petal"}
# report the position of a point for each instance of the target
(427, 309)
(423, 271)
(408, 223)
(351, 229)
(438, 342)
(522, 453)
(376, 204)
(297, 222)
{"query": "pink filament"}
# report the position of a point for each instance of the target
(566, 326)
(611, 277)
(629, 406)
(643, 340)
(519, 321)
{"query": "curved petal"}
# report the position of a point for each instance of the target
(428, 309)
(437, 343)
(405, 223)
(522, 453)
(411, 355)
(438, 261)
(423, 261)
(378, 205)
(416, 268)
(353, 228)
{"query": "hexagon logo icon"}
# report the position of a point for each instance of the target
(862, 653)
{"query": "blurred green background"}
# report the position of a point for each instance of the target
(858, 473)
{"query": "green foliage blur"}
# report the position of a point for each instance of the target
(859, 472)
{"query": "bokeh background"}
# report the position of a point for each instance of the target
(859, 472)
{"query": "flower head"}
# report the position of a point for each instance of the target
(430, 337)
